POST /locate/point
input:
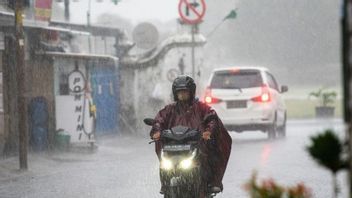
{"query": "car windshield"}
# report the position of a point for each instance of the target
(236, 80)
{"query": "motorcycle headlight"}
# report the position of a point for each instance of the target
(186, 164)
(166, 164)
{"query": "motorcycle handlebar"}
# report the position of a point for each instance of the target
(150, 122)
(152, 141)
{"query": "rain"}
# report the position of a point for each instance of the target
(79, 77)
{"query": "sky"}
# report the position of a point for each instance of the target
(135, 10)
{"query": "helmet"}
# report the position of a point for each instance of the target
(184, 82)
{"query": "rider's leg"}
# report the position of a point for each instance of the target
(213, 160)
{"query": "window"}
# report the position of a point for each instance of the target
(236, 79)
(63, 84)
(271, 81)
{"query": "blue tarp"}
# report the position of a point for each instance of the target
(38, 123)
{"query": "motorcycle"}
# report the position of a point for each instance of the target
(182, 173)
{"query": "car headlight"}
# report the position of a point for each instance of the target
(166, 164)
(187, 163)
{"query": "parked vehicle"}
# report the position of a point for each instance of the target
(248, 98)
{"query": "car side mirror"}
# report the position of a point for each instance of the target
(284, 88)
(149, 121)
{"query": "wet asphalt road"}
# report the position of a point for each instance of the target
(127, 167)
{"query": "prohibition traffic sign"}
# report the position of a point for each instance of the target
(192, 12)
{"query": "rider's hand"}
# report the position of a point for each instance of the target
(206, 135)
(156, 136)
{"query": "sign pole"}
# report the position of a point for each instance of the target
(193, 51)
(20, 75)
(192, 14)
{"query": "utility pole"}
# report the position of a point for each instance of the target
(88, 25)
(346, 71)
(20, 64)
(67, 10)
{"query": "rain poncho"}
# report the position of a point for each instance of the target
(192, 116)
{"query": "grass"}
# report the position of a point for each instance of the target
(305, 108)
(300, 106)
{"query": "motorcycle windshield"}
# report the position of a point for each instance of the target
(181, 133)
(179, 130)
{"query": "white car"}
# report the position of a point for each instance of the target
(248, 98)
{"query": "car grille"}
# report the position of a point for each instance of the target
(236, 104)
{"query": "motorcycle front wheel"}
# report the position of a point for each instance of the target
(179, 192)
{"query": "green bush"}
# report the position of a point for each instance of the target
(328, 151)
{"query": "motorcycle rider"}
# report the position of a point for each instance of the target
(188, 111)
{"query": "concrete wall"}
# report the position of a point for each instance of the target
(136, 102)
(145, 90)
